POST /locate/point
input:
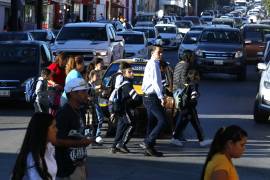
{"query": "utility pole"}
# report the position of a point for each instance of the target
(196, 8)
(39, 13)
(109, 10)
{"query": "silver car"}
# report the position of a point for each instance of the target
(262, 102)
(189, 42)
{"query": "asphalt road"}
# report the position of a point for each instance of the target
(224, 101)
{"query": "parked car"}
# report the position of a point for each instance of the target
(43, 35)
(207, 19)
(262, 102)
(221, 50)
(90, 40)
(171, 38)
(20, 61)
(118, 26)
(16, 36)
(151, 33)
(253, 35)
(189, 42)
(198, 28)
(136, 45)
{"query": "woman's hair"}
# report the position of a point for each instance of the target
(187, 57)
(91, 75)
(89, 68)
(35, 142)
(72, 62)
(193, 75)
(223, 135)
(60, 57)
(98, 60)
(45, 72)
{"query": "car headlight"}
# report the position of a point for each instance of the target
(266, 84)
(238, 54)
(100, 53)
(199, 53)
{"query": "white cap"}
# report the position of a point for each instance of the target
(76, 84)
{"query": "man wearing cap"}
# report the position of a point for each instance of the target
(71, 143)
(153, 101)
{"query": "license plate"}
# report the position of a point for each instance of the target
(259, 53)
(4, 93)
(218, 62)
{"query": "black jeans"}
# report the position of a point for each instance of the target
(39, 107)
(124, 131)
(189, 114)
(156, 119)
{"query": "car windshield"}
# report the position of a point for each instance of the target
(133, 38)
(256, 34)
(183, 24)
(13, 36)
(220, 36)
(166, 29)
(149, 33)
(83, 33)
(18, 55)
(195, 20)
(191, 38)
(41, 36)
(138, 68)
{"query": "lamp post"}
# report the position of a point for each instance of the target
(109, 9)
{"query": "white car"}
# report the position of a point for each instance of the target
(136, 45)
(189, 42)
(151, 33)
(170, 36)
(90, 40)
(262, 101)
(183, 26)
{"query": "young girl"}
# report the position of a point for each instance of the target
(36, 158)
(228, 143)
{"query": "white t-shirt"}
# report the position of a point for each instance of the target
(32, 173)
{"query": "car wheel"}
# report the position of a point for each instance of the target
(242, 75)
(259, 116)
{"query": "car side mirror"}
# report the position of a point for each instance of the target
(261, 66)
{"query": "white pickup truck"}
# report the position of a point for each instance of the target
(90, 40)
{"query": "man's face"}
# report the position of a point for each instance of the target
(80, 96)
(157, 53)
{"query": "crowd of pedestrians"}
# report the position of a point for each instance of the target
(74, 120)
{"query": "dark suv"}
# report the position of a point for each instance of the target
(20, 61)
(221, 50)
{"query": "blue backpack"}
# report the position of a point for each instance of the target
(30, 88)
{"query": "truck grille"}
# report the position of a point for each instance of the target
(218, 55)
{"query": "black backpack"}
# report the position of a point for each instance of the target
(30, 88)
(116, 99)
(112, 82)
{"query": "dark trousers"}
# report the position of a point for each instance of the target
(39, 107)
(124, 131)
(189, 114)
(156, 119)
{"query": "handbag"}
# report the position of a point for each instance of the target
(169, 102)
(181, 98)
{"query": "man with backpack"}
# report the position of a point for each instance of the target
(124, 100)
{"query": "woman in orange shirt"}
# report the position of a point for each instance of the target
(228, 143)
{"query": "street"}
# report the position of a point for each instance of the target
(224, 101)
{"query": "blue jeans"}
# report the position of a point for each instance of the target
(100, 118)
(156, 119)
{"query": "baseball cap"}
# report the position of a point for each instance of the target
(76, 84)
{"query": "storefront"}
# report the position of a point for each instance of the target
(4, 13)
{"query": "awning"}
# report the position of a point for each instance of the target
(115, 5)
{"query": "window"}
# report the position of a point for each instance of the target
(149, 33)
(191, 38)
(83, 33)
(133, 38)
(221, 36)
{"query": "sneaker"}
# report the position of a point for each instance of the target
(124, 149)
(152, 152)
(99, 140)
(143, 145)
(176, 142)
(114, 150)
(205, 142)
